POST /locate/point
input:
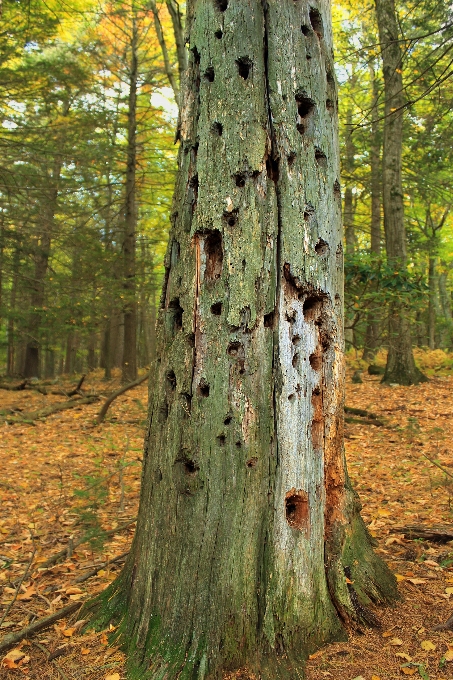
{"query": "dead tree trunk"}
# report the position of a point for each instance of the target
(248, 527)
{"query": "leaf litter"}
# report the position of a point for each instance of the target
(64, 479)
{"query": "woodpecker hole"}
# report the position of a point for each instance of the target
(305, 29)
(196, 55)
(269, 320)
(230, 217)
(216, 309)
(291, 158)
(203, 388)
(295, 360)
(214, 255)
(221, 5)
(221, 439)
(244, 65)
(315, 360)
(227, 420)
(317, 424)
(273, 169)
(330, 105)
(171, 379)
(337, 188)
(321, 158)
(312, 307)
(209, 74)
(321, 247)
(219, 34)
(239, 180)
(234, 348)
(296, 509)
(217, 129)
(316, 21)
(251, 463)
(176, 312)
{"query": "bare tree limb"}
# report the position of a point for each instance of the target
(114, 395)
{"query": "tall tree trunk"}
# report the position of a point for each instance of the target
(248, 528)
(445, 303)
(400, 366)
(11, 349)
(42, 254)
(372, 333)
(129, 364)
(348, 210)
(432, 306)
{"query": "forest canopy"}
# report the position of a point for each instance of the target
(88, 99)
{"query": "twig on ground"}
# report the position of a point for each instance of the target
(93, 572)
(11, 604)
(112, 397)
(13, 638)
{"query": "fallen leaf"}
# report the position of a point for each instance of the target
(408, 671)
(448, 656)
(28, 594)
(68, 632)
(427, 645)
(73, 590)
(449, 591)
(400, 577)
(84, 651)
(78, 596)
(387, 633)
(417, 581)
(375, 677)
(396, 642)
(103, 639)
(114, 676)
(404, 656)
(316, 655)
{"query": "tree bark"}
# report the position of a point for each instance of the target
(432, 306)
(129, 364)
(348, 210)
(400, 368)
(247, 519)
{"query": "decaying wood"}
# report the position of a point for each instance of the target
(13, 638)
(114, 395)
(438, 534)
(360, 412)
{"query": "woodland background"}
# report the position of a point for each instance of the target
(88, 104)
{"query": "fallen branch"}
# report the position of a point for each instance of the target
(31, 416)
(93, 572)
(360, 412)
(365, 421)
(22, 579)
(75, 544)
(13, 638)
(114, 395)
(448, 625)
(438, 534)
(73, 392)
(14, 388)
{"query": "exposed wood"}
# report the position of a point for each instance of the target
(112, 397)
(13, 638)
(438, 534)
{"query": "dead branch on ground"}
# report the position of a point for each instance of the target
(114, 395)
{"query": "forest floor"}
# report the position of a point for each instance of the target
(64, 478)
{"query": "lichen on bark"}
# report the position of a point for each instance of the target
(247, 520)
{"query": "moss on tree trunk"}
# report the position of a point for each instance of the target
(247, 521)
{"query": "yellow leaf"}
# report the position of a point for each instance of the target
(14, 655)
(396, 642)
(73, 590)
(68, 632)
(448, 656)
(387, 633)
(375, 677)
(84, 651)
(384, 513)
(449, 591)
(78, 596)
(404, 656)
(427, 645)
(101, 572)
(316, 655)
(114, 676)
(400, 577)
(408, 671)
